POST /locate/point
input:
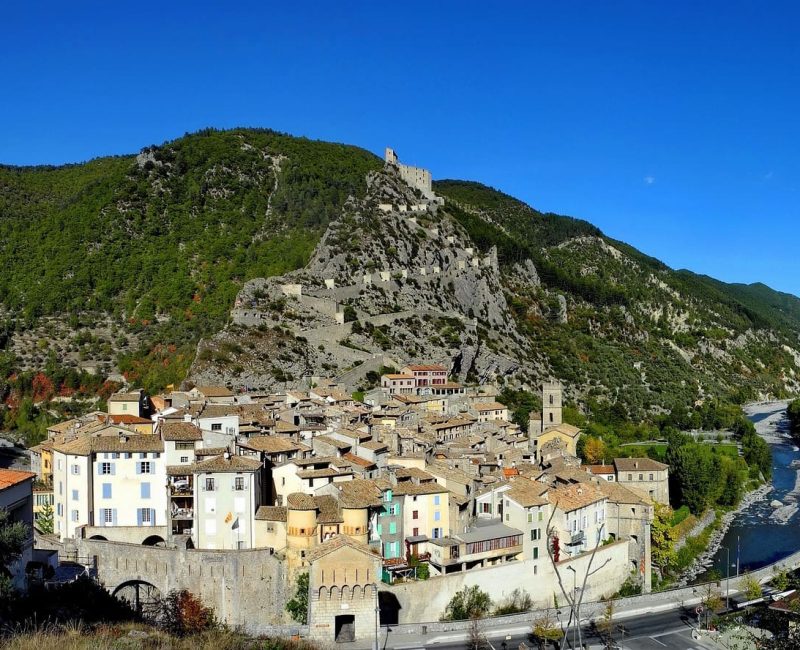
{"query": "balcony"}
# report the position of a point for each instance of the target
(183, 513)
(576, 538)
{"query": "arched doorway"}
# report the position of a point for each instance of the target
(154, 540)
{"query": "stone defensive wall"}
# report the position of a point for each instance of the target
(426, 600)
(247, 588)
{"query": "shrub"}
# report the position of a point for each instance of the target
(182, 614)
(469, 603)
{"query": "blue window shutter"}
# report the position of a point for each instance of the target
(138, 516)
(113, 468)
(145, 490)
(152, 516)
(138, 468)
(114, 517)
(99, 469)
(106, 490)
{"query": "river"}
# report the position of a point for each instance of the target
(754, 537)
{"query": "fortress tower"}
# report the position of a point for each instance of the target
(416, 177)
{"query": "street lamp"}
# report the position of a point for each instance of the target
(727, 577)
(572, 601)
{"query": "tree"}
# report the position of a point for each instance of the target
(182, 614)
(516, 602)
(44, 521)
(711, 601)
(13, 536)
(750, 587)
(469, 603)
(780, 580)
(545, 628)
(594, 451)
(606, 622)
(298, 606)
(661, 538)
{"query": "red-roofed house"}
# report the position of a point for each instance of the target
(16, 498)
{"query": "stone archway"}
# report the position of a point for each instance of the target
(140, 595)
(154, 540)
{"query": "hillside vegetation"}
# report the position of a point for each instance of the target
(128, 261)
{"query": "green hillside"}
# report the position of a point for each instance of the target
(174, 233)
(161, 242)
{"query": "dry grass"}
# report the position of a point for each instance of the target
(135, 637)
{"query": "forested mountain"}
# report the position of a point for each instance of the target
(129, 261)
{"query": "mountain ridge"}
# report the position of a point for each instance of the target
(162, 245)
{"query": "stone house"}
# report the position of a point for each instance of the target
(645, 476)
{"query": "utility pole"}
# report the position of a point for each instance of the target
(727, 578)
(737, 556)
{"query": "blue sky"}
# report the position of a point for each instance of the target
(670, 125)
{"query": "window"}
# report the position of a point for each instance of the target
(436, 498)
(115, 455)
(651, 477)
(144, 467)
(144, 488)
(128, 455)
(105, 468)
(184, 445)
(392, 528)
(379, 530)
(508, 516)
(107, 515)
(238, 483)
(184, 459)
(59, 463)
(59, 509)
(210, 484)
(106, 490)
(641, 477)
(487, 508)
(142, 455)
(415, 514)
(535, 552)
(74, 515)
(536, 534)
(535, 569)
(437, 515)
(437, 533)
(146, 518)
(76, 469)
(216, 427)
(630, 477)
(124, 406)
(541, 515)
(530, 517)
(415, 532)
(74, 495)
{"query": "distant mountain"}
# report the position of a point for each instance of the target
(167, 247)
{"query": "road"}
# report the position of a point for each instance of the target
(648, 631)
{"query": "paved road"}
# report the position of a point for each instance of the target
(670, 629)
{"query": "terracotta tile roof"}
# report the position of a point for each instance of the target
(407, 487)
(210, 451)
(328, 508)
(398, 376)
(510, 471)
(11, 477)
(574, 496)
(179, 470)
(218, 411)
(125, 397)
(374, 445)
(361, 493)
(333, 442)
(639, 464)
(566, 429)
(180, 431)
(490, 406)
(617, 493)
(600, 469)
(214, 391)
(270, 444)
(413, 472)
(361, 462)
(328, 472)
(300, 501)
(231, 464)
(271, 513)
(426, 367)
(131, 443)
(527, 493)
(126, 419)
(334, 544)
(62, 427)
